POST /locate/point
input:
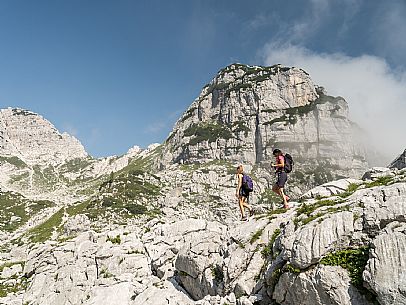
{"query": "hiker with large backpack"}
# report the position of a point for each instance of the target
(283, 166)
(244, 187)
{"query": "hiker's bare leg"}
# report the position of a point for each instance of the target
(241, 204)
(246, 205)
(285, 202)
(275, 189)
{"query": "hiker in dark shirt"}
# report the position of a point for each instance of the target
(242, 194)
(281, 177)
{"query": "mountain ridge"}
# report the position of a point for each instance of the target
(160, 225)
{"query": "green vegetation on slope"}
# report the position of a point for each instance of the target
(44, 231)
(354, 260)
(75, 165)
(16, 210)
(17, 162)
(207, 132)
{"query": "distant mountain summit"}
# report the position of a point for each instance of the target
(247, 111)
(34, 140)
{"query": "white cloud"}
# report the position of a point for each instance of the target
(376, 93)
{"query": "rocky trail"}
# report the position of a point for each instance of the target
(342, 249)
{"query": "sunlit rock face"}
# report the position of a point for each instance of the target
(247, 111)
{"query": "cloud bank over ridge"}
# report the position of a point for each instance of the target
(376, 93)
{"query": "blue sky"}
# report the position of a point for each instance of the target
(119, 73)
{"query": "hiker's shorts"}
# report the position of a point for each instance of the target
(244, 193)
(281, 178)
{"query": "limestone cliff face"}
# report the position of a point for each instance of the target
(247, 111)
(34, 140)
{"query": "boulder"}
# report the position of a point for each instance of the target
(76, 224)
(319, 286)
(311, 242)
(381, 206)
(330, 188)
(199, 265)
(385, 272)
(165, 295)
(118, 294)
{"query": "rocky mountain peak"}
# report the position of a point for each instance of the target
(34, 140)
(247, 111)
(298, 87)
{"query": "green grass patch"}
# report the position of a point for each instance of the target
(114, 240)
(217, 274)
(256, 236)
(10, 264)
(353, 260)
(188, 114)
(21, 285)
(20, 209)
(240, 126)
(76, 165)
(210, 132)
(307, 209)
(351, 189)
(267, 250)
(380, 181)
(121, 195)
(237, 87)
(205, 167)
(313, 217)
(291, 269)
(105, 273)
(287, 119)
(145, 164)
(44, 231)
(17, 162)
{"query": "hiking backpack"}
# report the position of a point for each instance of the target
(247, 183)
(288, 163)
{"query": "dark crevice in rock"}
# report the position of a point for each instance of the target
(258, 136)
(258, 141)
(316, 116)
(97, 267)
(383, 195)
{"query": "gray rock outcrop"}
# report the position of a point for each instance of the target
(34, 140)
(385, 272)
(319, 286)
(247, 111)
(399, 162)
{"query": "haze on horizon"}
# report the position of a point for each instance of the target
(118, 74)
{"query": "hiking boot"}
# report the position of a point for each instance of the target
(251, 212)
